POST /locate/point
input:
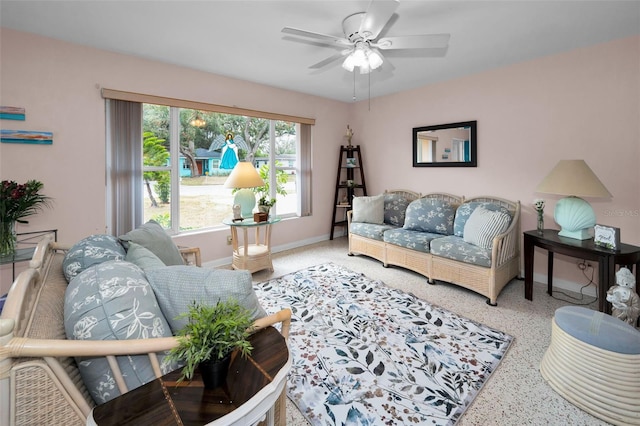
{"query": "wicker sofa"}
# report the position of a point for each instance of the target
(442, 254)
(40, 382)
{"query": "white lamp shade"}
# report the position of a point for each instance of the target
(244, 175)
(574, 179)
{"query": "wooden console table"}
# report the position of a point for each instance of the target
(583, 249)
(253, 386)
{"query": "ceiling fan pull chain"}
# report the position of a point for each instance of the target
(354, 86)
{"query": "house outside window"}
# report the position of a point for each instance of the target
(187, 161)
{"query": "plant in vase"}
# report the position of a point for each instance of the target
(265, 204)
(18, 201)
(211, 334)
(538, 204)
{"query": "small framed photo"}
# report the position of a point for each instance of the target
(607, 237)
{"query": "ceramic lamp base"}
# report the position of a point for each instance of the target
(575, 217)
(247, 200)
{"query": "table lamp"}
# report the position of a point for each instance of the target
(575, 179)
(244, 176)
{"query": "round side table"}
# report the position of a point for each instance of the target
(252, 256)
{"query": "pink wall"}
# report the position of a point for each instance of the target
(582, 104)
(59, 86)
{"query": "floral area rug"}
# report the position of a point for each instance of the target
(367, 354)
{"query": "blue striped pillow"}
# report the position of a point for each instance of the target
(484, 225)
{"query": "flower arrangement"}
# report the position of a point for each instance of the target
(18, 201)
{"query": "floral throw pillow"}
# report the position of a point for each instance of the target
(430, 215)
(114, 301)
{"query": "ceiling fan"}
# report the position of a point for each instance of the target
(361, 44)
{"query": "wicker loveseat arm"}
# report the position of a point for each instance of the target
(39, 380)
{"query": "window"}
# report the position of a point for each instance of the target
(176, 175)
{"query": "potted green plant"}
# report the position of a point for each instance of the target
(211, 334)
(265, 204)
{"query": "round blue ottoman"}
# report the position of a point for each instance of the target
(593, 361)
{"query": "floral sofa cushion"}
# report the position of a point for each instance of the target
(456, 248)
(414, 240)
(430, 215)
(369, 230)
(114, 301)
(465, 210)
(395, 208)
(90, 251)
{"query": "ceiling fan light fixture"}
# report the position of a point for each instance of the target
(374, 58)
(349, 63)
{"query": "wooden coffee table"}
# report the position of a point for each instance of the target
(252, 388)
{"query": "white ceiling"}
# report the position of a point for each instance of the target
(243, 39)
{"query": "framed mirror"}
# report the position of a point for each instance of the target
(446, 145)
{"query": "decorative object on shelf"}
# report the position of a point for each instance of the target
(211, 334)
(623, 297)
(349, 135)
(27, 137)
(606, 237)
(351, 162)
(18, 201)
(260, 217)
(12, 113)
(265, 204)
(574, 179)
(351, 183)
(243, 177)
(538, 204)
(237, 214)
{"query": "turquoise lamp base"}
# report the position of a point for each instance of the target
(575, 217)
(247, 200)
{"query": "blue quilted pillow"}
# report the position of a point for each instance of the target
(114, 301)
(90, 251)
(430, 215)
(176, 287)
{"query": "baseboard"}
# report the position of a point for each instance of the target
(559, 284)
(225, 261)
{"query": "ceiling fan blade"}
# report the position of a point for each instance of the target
(329, 39)
(426, 41)
(329, 60)
(376, 17)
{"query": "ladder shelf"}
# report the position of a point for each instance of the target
(349, 183)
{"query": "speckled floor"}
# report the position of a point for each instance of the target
(516, 394)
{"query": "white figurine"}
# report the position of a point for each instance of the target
(623, 297)
(236, 212)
